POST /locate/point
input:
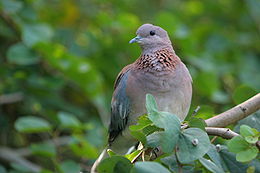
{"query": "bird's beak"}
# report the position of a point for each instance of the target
(136, 39)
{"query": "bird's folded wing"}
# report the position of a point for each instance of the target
(120, 105)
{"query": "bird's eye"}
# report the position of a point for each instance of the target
(152, 33)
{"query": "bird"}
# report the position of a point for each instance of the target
(157, 71)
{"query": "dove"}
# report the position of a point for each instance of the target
(158, 71)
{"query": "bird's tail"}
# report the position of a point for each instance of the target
(101, 157)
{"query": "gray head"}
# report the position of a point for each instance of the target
(150, 36)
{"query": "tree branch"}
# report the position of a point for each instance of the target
(18, 155)
(11, 98)
(225, 133)
(10, 23)
(226, 118)
(236, 113)
(11, 156)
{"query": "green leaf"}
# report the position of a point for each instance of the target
(133, 155)
(172, 131)
(143, 122)
(70, 166)
(168, 141)
(171, 162)
(151, 167)
(237, 144)
(247, 155)
(156, 118)
(211, 166)
(242, 93)
(231, 163)
(81, 147)
(197, 123)
(192, 145)
(31, 124)
(115, 164)
(36, 33)
(21, 55)
(150, 129)
(111, 153)
(151, 105)
(74, 69)
(214, 155)
(144, 127)
(68, 120)
(246, 131)
(169, 122)
(122, 167)
(44, 149)
(251, 139)
(139, 135)
(153, 140)
(256, 132)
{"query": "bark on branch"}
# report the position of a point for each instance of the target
(225, 133)
(236, 113)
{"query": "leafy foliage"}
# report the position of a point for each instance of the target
(186, 150)
(153, 167)
(170, 123)
(32, 124)
(58, 61)
(212, 167)
(244, 145)
(193, 144)
(115, 164)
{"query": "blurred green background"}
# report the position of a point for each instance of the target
(59, 59)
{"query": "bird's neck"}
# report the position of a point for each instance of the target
(163, 59)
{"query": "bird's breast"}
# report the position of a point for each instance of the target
(161, 82)
(172, 90)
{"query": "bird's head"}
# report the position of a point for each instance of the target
(150, 36)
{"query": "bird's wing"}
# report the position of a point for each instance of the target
(120, 105)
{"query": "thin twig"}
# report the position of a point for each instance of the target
(213, 139)
(195, 111)
(11, 156)
(143, 154)
(10, 23)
